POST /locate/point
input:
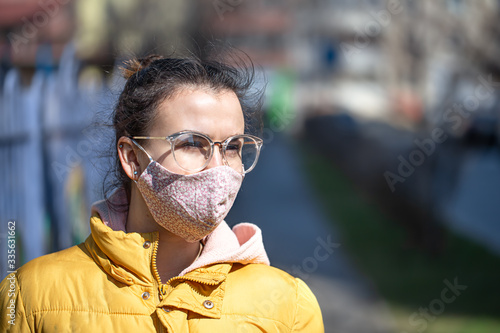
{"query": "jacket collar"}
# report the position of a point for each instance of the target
(242, 244)
(213, 290)
(124, 256)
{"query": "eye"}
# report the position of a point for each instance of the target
(191, 144)
(233, 146)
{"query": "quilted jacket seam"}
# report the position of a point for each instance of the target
(35, 312)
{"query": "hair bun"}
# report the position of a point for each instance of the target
(135, 65)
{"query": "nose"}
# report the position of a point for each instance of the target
(216, 157)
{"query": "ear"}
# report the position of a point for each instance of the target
(130, 158)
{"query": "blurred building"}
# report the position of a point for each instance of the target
(400, 67)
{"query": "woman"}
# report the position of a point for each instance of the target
(160, 257)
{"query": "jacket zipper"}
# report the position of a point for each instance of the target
(159, 284)
(155, 269)
(163, 287)
(192, 280)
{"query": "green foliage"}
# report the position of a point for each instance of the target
(408, 278)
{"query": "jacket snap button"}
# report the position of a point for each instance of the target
(208, 304)
(146, 245)
(145, 295)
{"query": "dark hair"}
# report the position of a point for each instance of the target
(153, 79)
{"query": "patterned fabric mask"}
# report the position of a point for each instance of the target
(190, 206)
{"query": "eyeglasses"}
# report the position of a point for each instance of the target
(192, 151)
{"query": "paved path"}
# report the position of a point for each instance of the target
(300, 240)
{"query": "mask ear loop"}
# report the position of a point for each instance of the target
(144, 150)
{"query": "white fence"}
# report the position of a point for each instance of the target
(48, 158)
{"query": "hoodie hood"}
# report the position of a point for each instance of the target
(243, 244)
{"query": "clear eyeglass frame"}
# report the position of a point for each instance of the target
(222, 147)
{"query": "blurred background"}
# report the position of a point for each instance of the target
(379, 181)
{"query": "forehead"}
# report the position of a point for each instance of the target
(217, 114)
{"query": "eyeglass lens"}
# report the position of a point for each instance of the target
(192, 152)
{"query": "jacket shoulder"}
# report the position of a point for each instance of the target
(272, 294)
(260, 273)
(75, 258)
(47, 277)
(35, 283)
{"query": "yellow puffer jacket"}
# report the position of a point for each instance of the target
(109, 284)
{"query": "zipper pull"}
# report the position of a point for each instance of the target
(163, 291)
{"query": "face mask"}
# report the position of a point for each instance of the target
(190, 206)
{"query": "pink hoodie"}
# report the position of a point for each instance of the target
(243, 244)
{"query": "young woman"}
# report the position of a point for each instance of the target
(160, 257)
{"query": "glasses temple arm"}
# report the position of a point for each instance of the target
(140, 147)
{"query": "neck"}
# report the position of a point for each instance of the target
(174, 254)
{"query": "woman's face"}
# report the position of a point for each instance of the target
(218, 115)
